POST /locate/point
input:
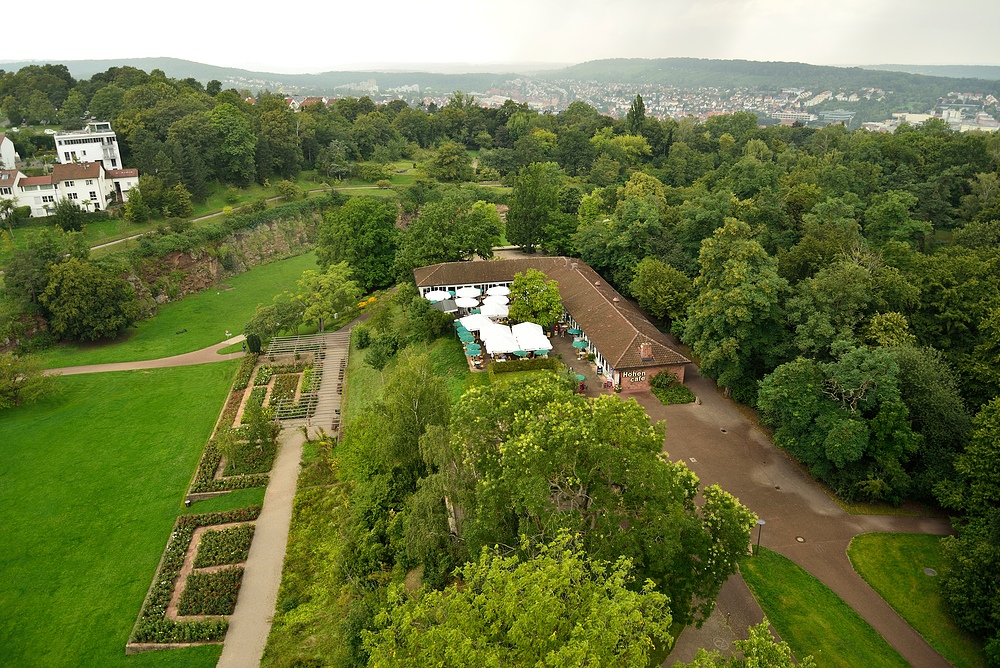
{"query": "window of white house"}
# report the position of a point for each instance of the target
(69, 184)
(48, 198)
(5, 191)
(90, 182)
(93, 196)
(72, 196)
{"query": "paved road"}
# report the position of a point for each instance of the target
(722, 447)
(203, 356)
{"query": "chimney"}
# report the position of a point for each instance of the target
(646, 352)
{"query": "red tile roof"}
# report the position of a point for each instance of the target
(78, 170)
(616, 327)
(35, 181)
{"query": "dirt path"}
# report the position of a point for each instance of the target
(804, 524)
(203, 356)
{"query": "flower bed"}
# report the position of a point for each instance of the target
(224, 546)
(205, 481)
(211, 593)
(152, 626)
(245, 371)
(256, 396)
(263, 376)
(251, 460)
(284, 389)
(309, 377)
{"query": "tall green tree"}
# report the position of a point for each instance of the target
(362, 233)
(555, 606)
(734, 322)
(84, 302)
(533, 202)
(237, 144)
(451, 162)
(635, 119)
(448, 231)
(661, 290)
(535, 299)
(328, 295)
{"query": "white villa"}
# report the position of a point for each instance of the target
(88, 184)
(97, 142)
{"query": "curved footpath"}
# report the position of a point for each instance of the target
(719, 444)
(203, 356)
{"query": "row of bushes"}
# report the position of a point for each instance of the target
(152, 626)
(224, 546)
(159, 245)
(211, 593)
(524, 365)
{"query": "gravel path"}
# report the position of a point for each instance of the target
(203, 356)
(803, 523)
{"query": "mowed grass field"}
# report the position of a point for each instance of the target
(893, 564)
(206, 316)
(811, 618)
(91, 481)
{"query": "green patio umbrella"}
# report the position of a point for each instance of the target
(521, 353)
(580, 344)
(574, 331)
(541, 352)
(466, 338)
(469, 352)
(580, 377)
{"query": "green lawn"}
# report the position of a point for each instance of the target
(206, 316)
(811, 618)
(91, 481)
(893, 564)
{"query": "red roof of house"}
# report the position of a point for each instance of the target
(8, 176)
(77, 170)
(35, 181)
(121, 173)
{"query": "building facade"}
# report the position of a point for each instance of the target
(96, 142)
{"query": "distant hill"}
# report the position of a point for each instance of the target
(696, 73)
(324, 82)
(990, 72)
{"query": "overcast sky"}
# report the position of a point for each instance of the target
(313, 36)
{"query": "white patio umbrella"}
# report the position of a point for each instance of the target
(466, 302)
(498, 291)
(468, 292)
(502, 343)
(494, 310)
(476, 322)
(437, 295)
(496, 299)
(527, 327)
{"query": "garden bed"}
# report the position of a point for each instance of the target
(154, 629)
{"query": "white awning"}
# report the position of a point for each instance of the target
(494, 310)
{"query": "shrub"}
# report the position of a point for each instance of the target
(253, 343)
(524, 365)
(211, 593)
(668, 390)
(224, 546)
(383, 184)
(362, 337)
(232, 195)
(256, 205)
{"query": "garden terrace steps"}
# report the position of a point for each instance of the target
(329, 396)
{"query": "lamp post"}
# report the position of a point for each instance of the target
(760, 526)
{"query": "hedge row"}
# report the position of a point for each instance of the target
(152, 626)
(524, 365)
(159, 245)
(211, 593)
(224, 546)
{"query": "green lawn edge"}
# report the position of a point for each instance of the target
(893, 565)
(811, 618)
